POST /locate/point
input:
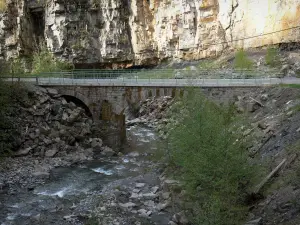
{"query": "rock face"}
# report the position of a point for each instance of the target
(120, 33)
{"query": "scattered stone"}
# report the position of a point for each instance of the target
(166, 195)
(23, 152)
(154, 189)
(52, 91)
(51, 153)
(140, 185)
(138, 190)
(255, 222)
(108, 152)
(127, 205)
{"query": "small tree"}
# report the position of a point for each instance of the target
(242, 61)
(209, 150)
(272, 56)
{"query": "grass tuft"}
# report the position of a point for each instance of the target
(272, 57)
(242, 61)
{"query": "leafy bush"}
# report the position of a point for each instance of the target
(9, 132)
(272, 57)
(209, 151)
(3, 6)
(44, 61)
(242, 61)
(208, 64)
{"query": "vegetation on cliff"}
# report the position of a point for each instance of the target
(208, 151)
(45, 61)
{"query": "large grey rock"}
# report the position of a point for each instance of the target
(96, 143)
(74, 116)
(51, 153)
(108, 152)
(23, 152)
(128, 205)
(52, 91)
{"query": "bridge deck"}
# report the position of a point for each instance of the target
(50, 81)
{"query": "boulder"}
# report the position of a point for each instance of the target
(284, 69)
(51, 153)
(23, 152)
(128, 205)
(253, 106)
(74, 116)
(108, 152)
(52, 92)
(96, 143)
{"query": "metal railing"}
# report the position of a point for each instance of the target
(154, 77)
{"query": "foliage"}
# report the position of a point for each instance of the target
(3, 6)
(17, 66)
(44, 61)
(210, 153)
(208, 64)
(242, 61)
(272, 57)
(9, 132)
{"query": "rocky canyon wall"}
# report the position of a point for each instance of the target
(123, 33)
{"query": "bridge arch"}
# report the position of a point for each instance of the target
(79, 100)
(79, 103)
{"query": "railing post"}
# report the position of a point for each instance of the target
(37, 80)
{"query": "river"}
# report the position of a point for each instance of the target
(108, 187)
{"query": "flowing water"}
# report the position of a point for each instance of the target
(72, 193)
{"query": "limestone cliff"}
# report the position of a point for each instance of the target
(122, 33)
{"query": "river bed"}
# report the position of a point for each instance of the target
(118, 190)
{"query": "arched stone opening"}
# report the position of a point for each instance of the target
(78, 102)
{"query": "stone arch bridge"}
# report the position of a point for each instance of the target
(108, 103)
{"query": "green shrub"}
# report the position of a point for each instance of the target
(44, 61)
(9, 132)
(208, 64)
(3, 6)
(242, 61)
(272, 57)
(209, 152)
